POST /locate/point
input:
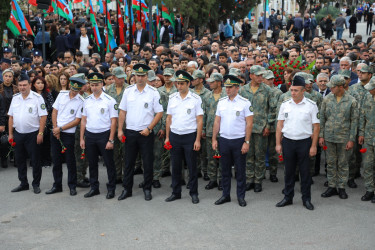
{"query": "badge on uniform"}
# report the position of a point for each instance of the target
(160, 101)
(102, 111)
(286, 115)
(318, 115)
(251, 108)
(116, 107)
(81, 110)
(30, 110)
(188, 111)
(72, 111)
(42, 106)
(146, 105)
(237, 113)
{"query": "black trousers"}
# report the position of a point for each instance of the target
(95, 144)
(369, 28)
(183, 146)
(68, 139)
(137, 143)
(45, 148)
(296, 152)
(230, 151)
(26, 145)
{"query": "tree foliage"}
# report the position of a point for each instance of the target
(5, 8)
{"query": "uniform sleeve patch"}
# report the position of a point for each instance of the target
(251, 108)
(43, 106)
(318, 115)
(160, 101)
(116, 106)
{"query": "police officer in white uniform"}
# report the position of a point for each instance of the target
(296, 140)
(27, 121)
(141, 108)
(184, 130)
(234, 122)
(66, 115)
(98, 128)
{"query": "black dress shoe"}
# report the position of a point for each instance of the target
(140, 185)
(83, 184)
(188, 186)
(125, 194)
(296, 178)
(156, 184)
(183, 182)
(312, 181)
(368, 196)
(273, 178)
(222, 200)
(138, 171)
(148, 195)
(352, 184)
(194, 199)
(36, 190)
(211, 185)
(284, 202)
(329, 192)
(173, 197)
(308, 205)
(258, 188)
(20, 188)
(342, 193)
(4, 163)
(166, 173)
(199, 174)
(205, 177)
(326, 184)
(73, 192)
(249, 186)
(92, 193)
(373, 200)
(220, 186)
(119, 181)
(54, 190)
(242, 202)
(110, 194)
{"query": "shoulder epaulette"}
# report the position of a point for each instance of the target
(36, 94)
(64, 91)
(287, 100)
(173, 95)
(88, 96)
(194, 95)
(153, 88)
(107, 96)
(81, 97)
(309, 100)
(242, 98)
(16, 94)
(223, 98)
(130, 86)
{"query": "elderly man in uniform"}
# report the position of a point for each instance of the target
(66, 115)
(98, 127)
(234, 121)
(296, 138)
(210, 104)
(141, 108)
(27, 120)
(183, 131)
(367, 140)
(339, 122)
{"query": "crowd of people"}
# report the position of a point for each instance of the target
(205, 103)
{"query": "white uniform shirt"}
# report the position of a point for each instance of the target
(184, 112)
(99, 112)
(140, 107)
(83, 45)
(68, 109)
(298, 118)
(233, 116)
(27, 112)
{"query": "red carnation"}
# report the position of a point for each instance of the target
(295, 66)
(10, 141)
(273, 65)
(13, 144)
(284, 62)
(298, 61)
(281, 73)
(123, 138)
(363, 150)
(324, 148)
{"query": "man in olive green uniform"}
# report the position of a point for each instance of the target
(116, 90)
(367, 140)
(271, 143)
(82, 164)
(210, 104)
(339, 123)
(364, 75)
(199, 89)
(258, 94)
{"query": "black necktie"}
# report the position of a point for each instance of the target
(322, 92)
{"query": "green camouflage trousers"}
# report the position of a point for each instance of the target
(202, 157)
(119, 158)
(256, 159)
(355, 160)
(272, 155)
(337, 164)
(213, 165)
(158, 157)
(82, 165)
(369, 168)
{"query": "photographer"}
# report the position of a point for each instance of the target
(27, 49)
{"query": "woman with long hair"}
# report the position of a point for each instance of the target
(52, 85)
(40, 71)
(328, 27)
(63, 82)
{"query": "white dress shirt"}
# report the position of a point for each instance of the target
(298, 118)
(27, 112)
(140, 107)
(184, 112)
(233, 116)
(68, 109)
(99, 112)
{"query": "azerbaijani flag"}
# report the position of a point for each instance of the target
(121, 25)
(63, 9)
(137, 5)
(18, 14)
(94, 24)
(33, 2)
(165, 14)
(13, 25)
(110, 38)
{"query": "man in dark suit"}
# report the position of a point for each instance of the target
(322, 80)
(140, 35)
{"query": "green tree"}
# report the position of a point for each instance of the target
(5, 8)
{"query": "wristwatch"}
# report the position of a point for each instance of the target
(111, 141)
(247, 142)
(61, 129)
(149, 129)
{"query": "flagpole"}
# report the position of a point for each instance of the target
(140, 12)
(150, 24)
(28, 11)
(130, 25)
(118, 25)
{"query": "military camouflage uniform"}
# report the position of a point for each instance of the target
(338, 123)
(367, 129)
(118, 147)
(260, 105)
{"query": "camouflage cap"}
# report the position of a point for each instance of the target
(215, 77)
(80, 75)
(304, 76)
(119, 72)
(310, 77)
(371, 84)
(198, 74)
(151, 75)
(345, 73)
(257, 70)
(336, 80)
(168, 72)
(268, 74)
(234, 72)
(366, 69)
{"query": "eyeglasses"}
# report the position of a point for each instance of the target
(38, 71)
